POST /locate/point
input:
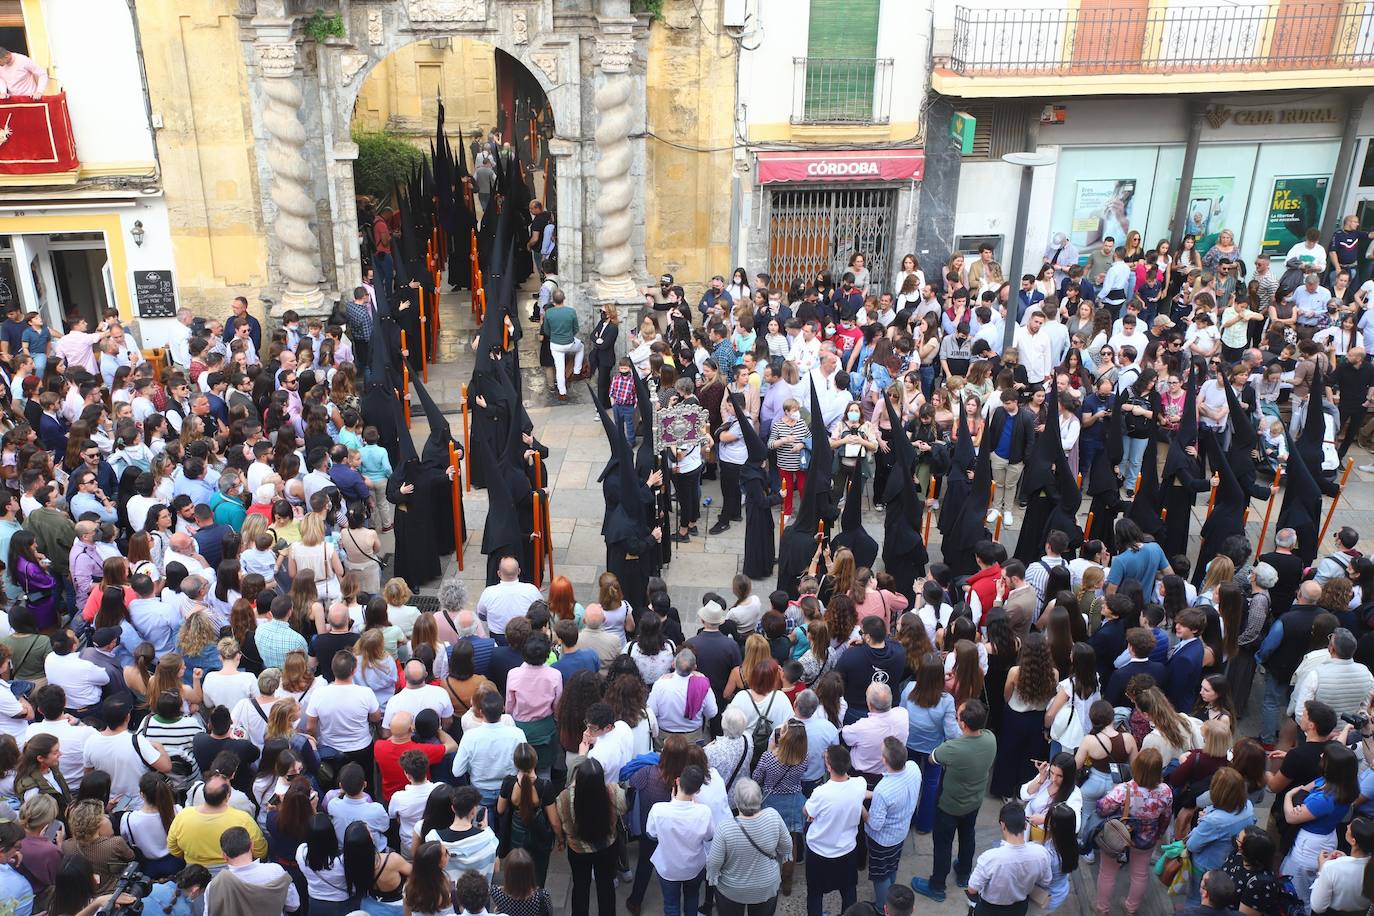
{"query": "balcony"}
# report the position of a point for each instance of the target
(1248, 43)
(841, 90)
(36, 141)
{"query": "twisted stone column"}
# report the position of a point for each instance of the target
(298, 256)
(614, 120)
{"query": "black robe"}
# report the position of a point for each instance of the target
(853, 536)
(417, 523)
(758, 524)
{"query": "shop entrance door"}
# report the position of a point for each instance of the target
(816, 229)
(79, 266)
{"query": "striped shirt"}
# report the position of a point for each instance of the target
(740, 871)
(787, 459)
(894, 803)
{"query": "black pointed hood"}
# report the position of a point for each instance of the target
(1302, 498)
(440, 432)
(501, 530)
(644, 405)
(970, 523)
(627, 520)
(1178, 457)
(1102, 476)
(758, 451)
(1045, 456)
(1145, 508)
(1228, 505)
(901, 489)
(816, 505)
(1309, 441)
(962, 460)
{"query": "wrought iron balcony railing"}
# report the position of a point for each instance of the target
(832, 90)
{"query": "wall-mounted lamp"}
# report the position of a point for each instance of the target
(441, 43)
(137, 232)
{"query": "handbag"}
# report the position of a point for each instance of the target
(1067, 729)
(1114, 836)
(1170, 867)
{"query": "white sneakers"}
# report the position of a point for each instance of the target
(1007, 521)
(992, 516)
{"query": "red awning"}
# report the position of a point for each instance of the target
(848, 165)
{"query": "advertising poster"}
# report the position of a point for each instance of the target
(1209, 204)
(1295, 205)
(1102, 207)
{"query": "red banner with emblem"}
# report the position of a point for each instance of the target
(859, 165)
(36, 136)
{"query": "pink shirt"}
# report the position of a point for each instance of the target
(22, 76)
(865, 738)
(75, 348)
(881, 603)
(532, 691)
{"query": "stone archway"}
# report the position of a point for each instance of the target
(587, 55)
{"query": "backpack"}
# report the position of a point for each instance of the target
(763, 727)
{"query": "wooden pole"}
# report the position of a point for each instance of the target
(424, 334)
(1264, 525)
(925, 534)
(538, 537)
(405, 380)
(782, 516)
(1350, 462)
(1088, 527)
(1138, 477)
(1211, 500)
(467, 445)
(997, 531)
(457, 503)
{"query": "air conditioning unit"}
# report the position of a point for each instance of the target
(734, 14)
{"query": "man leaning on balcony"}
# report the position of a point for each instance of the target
(20, 76)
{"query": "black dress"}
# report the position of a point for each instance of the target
(416, 523)
(758, 524)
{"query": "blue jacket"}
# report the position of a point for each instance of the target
(1210, 839)
(1185, 675)
(53, 434)
(1115, 693)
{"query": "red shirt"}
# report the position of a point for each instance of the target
(381, 235)
(984, 584)
(388, 755)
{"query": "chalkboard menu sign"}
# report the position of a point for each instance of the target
(155, 293)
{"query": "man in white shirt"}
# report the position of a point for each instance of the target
(340, 715)
(81, 679)
(407, 805)
(182, 550)
(1310, 300)
(487, 752)
(20, 76)
(833, 811)
(606, 740)
(806, 348)
(125, 756)
(671, 698)
(50, 703)
(418, 696)
(1113, 293)
(683, 829)
(1309, 251)
(1213, 409)
(506, 600)
(179, 339)
(1036, 348)
(1131, 335)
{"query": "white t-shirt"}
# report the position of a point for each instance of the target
(1316, 255)
(408, 807)
(143, 830)
(115, 755)
(342, 711)
(12, 721)
(934, 618)
(414, 701)
(72, 739)
(222, 689)
(613, 750)
(835, 809)
(246, 719)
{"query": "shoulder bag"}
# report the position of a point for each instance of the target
(1114, 835)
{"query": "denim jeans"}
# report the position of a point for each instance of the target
(927, 379)
(1088, 450)
(385, 269)
(680, 897)
(625, 421)
(880, 888)
(1276, 694)
(942, 839)
(1133, 453)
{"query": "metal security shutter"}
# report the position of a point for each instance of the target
(841, 51)
(815, 229)
(1000, 129)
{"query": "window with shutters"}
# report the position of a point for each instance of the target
(1000, 128)
(841, 79)
(12, 34)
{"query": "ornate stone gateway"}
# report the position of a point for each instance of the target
(587, 55)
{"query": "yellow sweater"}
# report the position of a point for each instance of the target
(195, 835)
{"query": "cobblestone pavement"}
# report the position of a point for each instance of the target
(577, 453)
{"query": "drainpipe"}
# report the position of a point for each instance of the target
(1185, 175)
(143, 79)
(1340, 179)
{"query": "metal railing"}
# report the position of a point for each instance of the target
(1177, 38)
(835, 90)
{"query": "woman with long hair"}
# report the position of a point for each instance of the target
(1061, 842)
(145, 829)
(756, 650)
(283, 724)
(779, 773)
(38, 772)
(376, 877)
(651, 650)
(841, 617)
(198, 642)
(817, 659)
(1059, 637)
(74, 888)
(1194, 772)
(1318, 815)
(28, 569)
(1174, 734)
(931, 720)
(653, 785)
(322, 864)
(1215, 703)
(1030, 687)
(463, 682)
(376, 666)
(588, 809)
(1068, 714)
(527, 812)
(965, 679)
(429, 892)
(1055, 783)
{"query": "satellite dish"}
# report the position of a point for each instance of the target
(1029, 159)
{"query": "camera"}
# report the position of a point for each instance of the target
(1358, 722)
(132, 883)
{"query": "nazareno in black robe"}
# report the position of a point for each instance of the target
(798, 545)
(1104, 485)
(904, 552)
(1183, 477)
(630, 546)
(1040, 487)
(959, 501)
(416, 521)
(852, 535)
(759, 555)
